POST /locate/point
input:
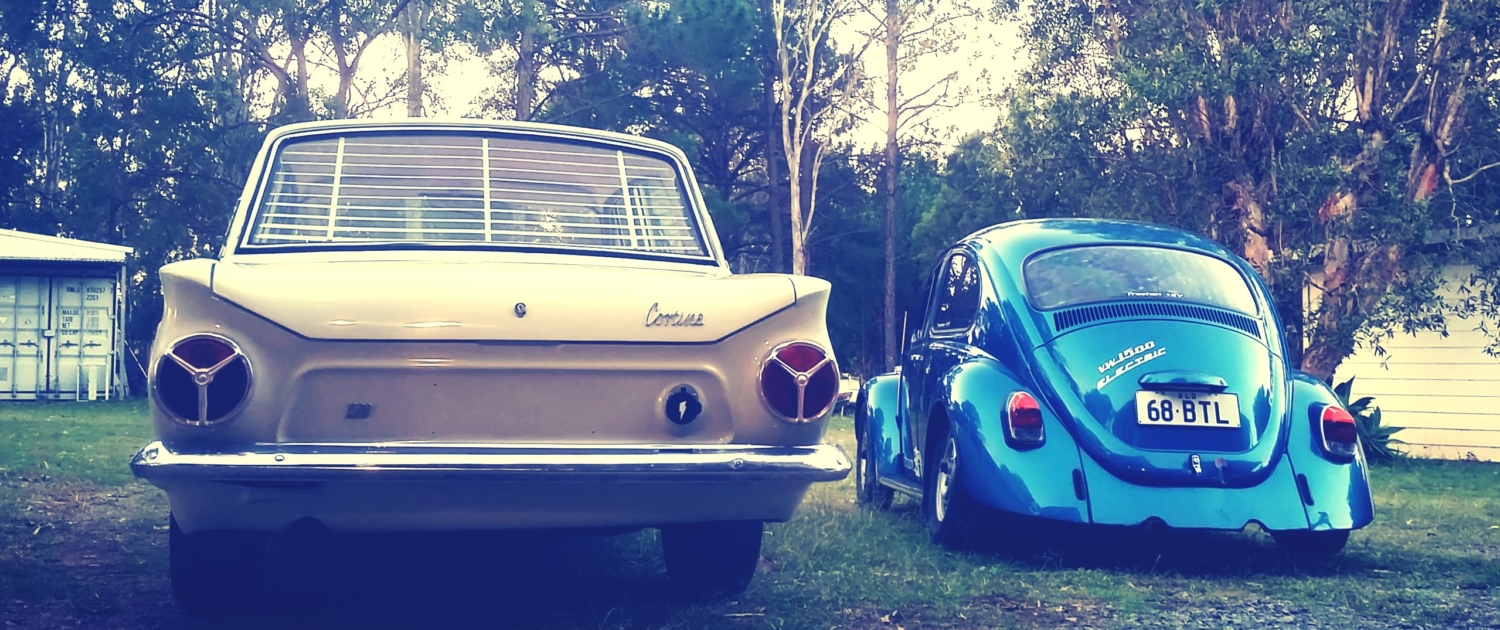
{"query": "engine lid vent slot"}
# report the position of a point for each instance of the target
(1075, 317)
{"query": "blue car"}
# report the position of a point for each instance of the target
(1107, 373)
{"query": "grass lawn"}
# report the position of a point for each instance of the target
(84, 545)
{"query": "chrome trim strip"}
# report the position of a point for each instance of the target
(494, 462)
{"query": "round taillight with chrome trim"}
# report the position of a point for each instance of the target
(799, 381)
(202, 379)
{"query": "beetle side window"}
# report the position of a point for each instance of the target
(956, 296)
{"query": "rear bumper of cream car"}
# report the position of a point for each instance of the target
(427, 487)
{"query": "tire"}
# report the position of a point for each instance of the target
(711, 559)
(216, 573)
(867, 488)
(952, 515)
(1309, 543)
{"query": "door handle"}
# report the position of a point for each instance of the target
(916, 358)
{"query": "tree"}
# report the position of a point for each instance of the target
(1311, 138)
(412, 25)
(922, 29)
(813, 85)
(549, 42)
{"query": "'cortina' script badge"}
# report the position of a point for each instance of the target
(1128, 359)
(657, 317)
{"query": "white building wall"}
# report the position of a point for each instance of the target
(1444, 390)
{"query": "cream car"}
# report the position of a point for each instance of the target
(420, 326)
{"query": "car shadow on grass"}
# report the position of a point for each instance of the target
(469, 580)
(1194, 553)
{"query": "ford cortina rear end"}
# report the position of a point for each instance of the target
(422, 327)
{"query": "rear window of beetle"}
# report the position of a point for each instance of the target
(1082, 275)
(475, 189)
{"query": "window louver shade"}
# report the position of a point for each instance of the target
(1070, 318)
(475, 189)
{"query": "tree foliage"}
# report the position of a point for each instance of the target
(1320, 140)
(1351, 146)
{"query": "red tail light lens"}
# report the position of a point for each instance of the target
(1340, 437)
(202, 380)
(1023, 421)
(799, 381)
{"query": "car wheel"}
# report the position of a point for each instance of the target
(952, 515)
(216, 573)
(1309, 543)
(867, 488)
(706, 559)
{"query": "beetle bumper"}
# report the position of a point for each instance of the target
(422, 487)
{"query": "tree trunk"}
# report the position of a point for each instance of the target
(774, 193)
(1246, 199)
(414, 23)
(298, 107)
(892, 172)
(794, 199)
(773, 184)
(526, 68)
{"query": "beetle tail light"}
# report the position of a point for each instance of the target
(1023, 421)
(799, 381)
(1340, 437)
(201, 380)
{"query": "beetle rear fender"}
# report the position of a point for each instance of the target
(1044, 481)
(878, 418)
(1339, 491)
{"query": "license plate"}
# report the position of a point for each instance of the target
(1188, 409)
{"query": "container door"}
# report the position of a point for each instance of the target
(82, 323)
(98, 357)
(23, 344)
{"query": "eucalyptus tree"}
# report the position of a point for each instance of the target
(1335, 144)
(815, 88)
(544, 42)
(911, 32)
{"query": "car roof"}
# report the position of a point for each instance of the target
(1013, 242)
(474, 124)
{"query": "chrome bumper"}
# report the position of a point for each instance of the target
(482, 462)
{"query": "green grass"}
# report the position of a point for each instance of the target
(91, 441)
(84, 545)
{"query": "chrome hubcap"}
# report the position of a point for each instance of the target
(946, 468)
(860, 457)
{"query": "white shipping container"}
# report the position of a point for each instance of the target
(58, 337)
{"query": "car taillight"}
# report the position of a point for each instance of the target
(202, 379)
(1023, 421)
(1340, 437)
(799, 381)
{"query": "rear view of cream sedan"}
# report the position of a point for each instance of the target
(420, 326)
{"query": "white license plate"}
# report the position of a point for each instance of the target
(1188, 409)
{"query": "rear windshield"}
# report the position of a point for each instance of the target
(473, 188)
(1094, 274)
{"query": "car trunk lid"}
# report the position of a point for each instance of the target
(427, 300)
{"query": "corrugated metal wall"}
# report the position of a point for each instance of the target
(60, 336)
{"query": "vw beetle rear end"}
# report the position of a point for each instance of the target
(1110, 373)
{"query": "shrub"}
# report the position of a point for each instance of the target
(1376, 439)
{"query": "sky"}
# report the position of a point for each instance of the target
(986, 60)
